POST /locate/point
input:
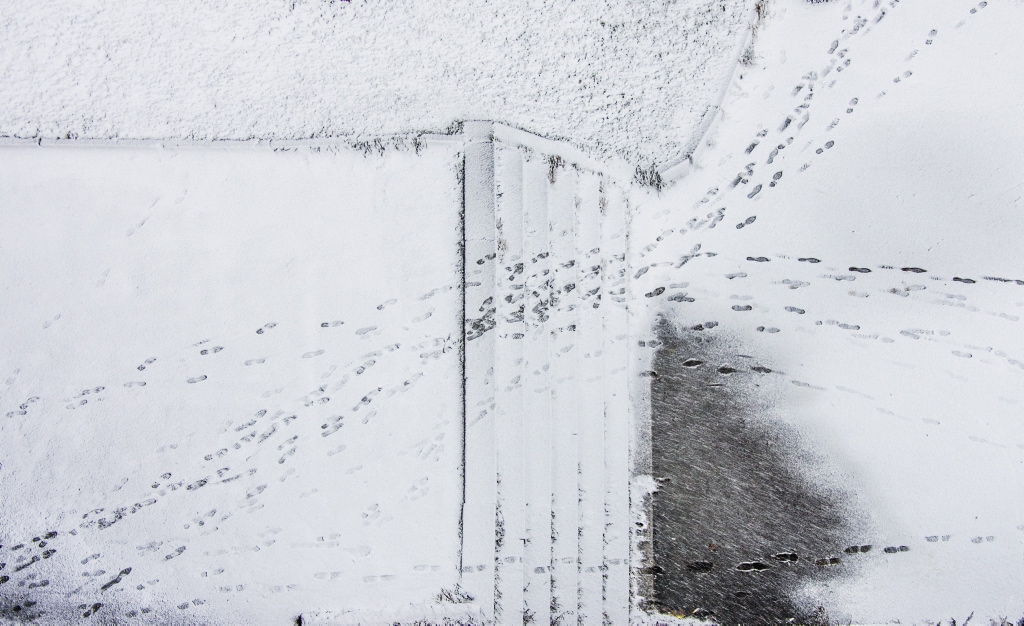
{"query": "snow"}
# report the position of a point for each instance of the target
(861, 243)
(634, 79)
(231, 375)
(900, 182)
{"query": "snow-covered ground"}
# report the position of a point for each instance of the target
(230, 376)
(634, 78)
(864, 189)
(231, 385)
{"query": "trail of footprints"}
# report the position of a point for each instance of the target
(934, 294)
(839, 60)
(794, 123)
(790, 559)
(879, 283)
(374, 515)
(879, 278)
(259, 428)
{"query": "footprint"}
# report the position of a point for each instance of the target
(255, 361)
(753, 566)
(371, 514)
(419, 489)
(177, 552)
(284, 457)
(680, 297)
(197, 379)
(423, 317)
(312, 354)
(117, 579)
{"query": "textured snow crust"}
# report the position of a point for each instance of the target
(633, 78)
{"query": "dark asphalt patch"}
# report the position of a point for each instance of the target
(738, 528)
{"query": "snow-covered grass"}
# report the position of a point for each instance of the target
(634, 78)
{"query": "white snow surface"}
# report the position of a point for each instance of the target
(906, 385)
(636, 79)
(230, 382)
